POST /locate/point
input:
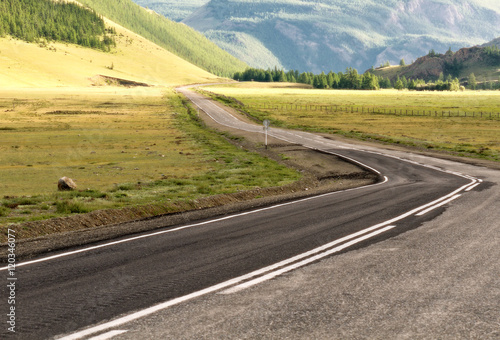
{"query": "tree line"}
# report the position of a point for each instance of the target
(351, 79)
(36, 20)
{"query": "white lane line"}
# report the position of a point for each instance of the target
(148, 311)
(438, 205)
(187, 226)
(354, 161)
(108, 335)
(303, 263)
(472, 187)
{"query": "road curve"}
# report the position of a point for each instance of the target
(113, 283)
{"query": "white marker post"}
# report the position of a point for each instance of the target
(266, 128)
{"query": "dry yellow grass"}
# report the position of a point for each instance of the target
(99, 137)
(135, 58)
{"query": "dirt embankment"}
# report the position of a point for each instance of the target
(321, 173)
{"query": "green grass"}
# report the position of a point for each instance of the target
(127, 151)
(465, 136)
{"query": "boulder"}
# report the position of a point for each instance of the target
(66, 183)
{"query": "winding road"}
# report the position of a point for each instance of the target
(111, 288)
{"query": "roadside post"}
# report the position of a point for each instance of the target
(266, 128)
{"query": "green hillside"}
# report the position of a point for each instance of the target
(322, 35)
(36, 20)
(177, 38)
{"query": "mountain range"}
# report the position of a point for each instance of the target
(322, 35)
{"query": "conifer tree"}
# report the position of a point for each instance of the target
(472, 81)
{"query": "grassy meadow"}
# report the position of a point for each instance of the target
(123, 147)
(464, 136)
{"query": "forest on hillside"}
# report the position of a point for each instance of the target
(35, 20)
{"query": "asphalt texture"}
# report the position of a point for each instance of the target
(429, 276)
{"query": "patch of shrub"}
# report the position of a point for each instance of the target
(67, 207)
(4, 211)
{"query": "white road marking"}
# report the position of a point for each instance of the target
(303, 263)
(438, 205)
(472, 187)
(108, 335)
(148, 311)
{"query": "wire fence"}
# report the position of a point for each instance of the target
(378, 110)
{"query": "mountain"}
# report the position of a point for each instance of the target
(177, 38)
(176, 10)
(483, 61)
(322, 35)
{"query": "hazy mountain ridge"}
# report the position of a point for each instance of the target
(334, 34)
(176, 10)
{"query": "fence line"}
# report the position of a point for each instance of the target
(376, 110)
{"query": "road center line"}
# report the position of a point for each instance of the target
(472, 187)
(108, 335)
(148, 311)
(305, 262)
(438, 205)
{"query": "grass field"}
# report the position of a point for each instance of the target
(123, 147)
(464, 136)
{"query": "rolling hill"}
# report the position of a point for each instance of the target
(322, 35)
(24, 64)
(45, 43)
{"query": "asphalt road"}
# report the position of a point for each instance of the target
(115, 284)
